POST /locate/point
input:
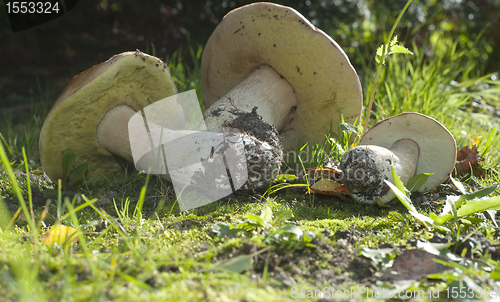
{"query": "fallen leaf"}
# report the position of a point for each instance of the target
(324, 179)
(468, 160)
(327, 186)
(237, 264)
(416, 264)
(61, 235)
(383, 256)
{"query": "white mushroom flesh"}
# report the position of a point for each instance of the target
(265, 89)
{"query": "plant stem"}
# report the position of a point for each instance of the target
(386, 54)
(371, 99)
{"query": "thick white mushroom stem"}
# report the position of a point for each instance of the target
(366, 167)
(261, 106)
(265, 89)
(113, 135)
(195, 157)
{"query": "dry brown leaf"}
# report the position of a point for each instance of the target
(468, 160)
(416, 264)
(327, 186)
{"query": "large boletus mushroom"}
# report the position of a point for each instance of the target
(269, 57)
(91, 114)
(412, 142)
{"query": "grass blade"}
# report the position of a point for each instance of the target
(417, 181)
(28, 184)
(17, 191)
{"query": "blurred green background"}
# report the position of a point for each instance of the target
(36, 64)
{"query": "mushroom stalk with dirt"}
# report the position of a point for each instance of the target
(267, 71)
(412, 143)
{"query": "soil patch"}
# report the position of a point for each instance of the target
(326, 263)
(263, 149)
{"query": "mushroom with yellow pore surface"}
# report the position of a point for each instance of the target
(271, 58)
(92, 113)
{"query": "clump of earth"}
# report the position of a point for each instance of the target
(263, 152)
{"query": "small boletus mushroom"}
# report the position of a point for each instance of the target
(91, 114)
(412, 142)
(269, 72)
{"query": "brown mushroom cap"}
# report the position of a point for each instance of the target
(134, 79)
(438, 150)
(313, 64)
